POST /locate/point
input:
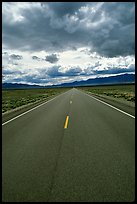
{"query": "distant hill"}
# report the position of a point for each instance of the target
(19, 86)
(119, 79)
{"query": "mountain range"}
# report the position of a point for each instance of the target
(119, 79)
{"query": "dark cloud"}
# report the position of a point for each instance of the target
(56, 75)
(123, 12)
(74, 48)
(109, 31)
(35, 79)
(16, 57)
(5, 53)
(114, 71)
(117, 33)
(52, 58)
(36, 58)
(109, 70)
(74, 72)
(61, 9)
(55, 72)
(6, 71)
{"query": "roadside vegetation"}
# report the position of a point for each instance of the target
(125, 91)
(13, 98)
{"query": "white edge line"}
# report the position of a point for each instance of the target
(111, 106)
(31, 109)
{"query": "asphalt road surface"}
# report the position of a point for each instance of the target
(73, 148)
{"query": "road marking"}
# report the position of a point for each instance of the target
(70, 102)
(31, 110)
(111, 106)
(66, 122)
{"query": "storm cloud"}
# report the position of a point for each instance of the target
(36, 58)
(57, 42)
(49, 58)
(106, 27)
(52, 58)
(90, 71)
(16, 57)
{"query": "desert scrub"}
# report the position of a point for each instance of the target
(14, 98)
(124, 91)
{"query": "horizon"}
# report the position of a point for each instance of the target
(48, 43)
(71, 83)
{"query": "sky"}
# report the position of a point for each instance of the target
(48, 43)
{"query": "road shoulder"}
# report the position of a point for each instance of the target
(126, 106)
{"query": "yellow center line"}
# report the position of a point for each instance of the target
(66, 122)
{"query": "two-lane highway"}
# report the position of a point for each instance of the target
(73, 148)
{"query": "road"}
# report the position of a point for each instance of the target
(73, 148)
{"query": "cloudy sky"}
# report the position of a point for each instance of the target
(57, 42)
